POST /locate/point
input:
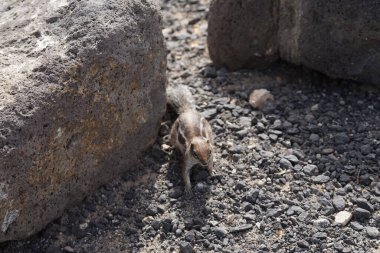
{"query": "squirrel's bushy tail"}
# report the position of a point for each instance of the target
(180, 98)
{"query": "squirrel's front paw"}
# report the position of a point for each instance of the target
(188, 191)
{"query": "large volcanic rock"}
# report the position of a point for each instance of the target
(241, 33)
(82, 91)
(340, 39)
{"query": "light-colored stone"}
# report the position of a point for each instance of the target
(82, 92)
(343, 218)
(372, 232)
(315, 108)
(260, 98)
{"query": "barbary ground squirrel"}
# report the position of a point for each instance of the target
(191, 134)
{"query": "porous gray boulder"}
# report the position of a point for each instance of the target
(82, 92)
(240, 33)
(341, 40)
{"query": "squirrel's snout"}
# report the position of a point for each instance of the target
(203, 163)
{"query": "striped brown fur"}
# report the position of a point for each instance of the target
(191, 134)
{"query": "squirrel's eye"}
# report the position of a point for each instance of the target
(195, 154)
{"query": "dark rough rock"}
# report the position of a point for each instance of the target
(339, 246)
(156, 224)
(363, 203)
(320, 235)
(292, 158)
(210, 72)
(303, 244)
(220, 232)
(246, 206)
(175, 193)
(240, 185)
(152, 210)
(357, 226)
(252, 195)
(190, 236)
(285, 164)
(294, 210)
(167, 225)
(81, 85)
(341, 138)
(210, 113)
(365, 149)
(335, 39)
(310, 170)
(185, 247)
(361, 213)
(339, 203)
(274, 212)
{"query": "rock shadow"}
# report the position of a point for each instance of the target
(190, 209)
(330, 123)
(113, 219)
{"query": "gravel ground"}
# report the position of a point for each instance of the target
(287, 178)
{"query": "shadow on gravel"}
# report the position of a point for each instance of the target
(192, 208)
(109, 220)
(332, 124)
(315, 149)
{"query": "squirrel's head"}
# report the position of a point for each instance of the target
(201, 150)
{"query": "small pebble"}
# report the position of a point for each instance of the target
(363, 203)
(185, 247)
(220, 232)
(361, 213)
(356, 226)
(372, 232)
(321, 179)
(310, 170)
(322, 222)
(260, 98)
(343, 218)
(339, 203)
